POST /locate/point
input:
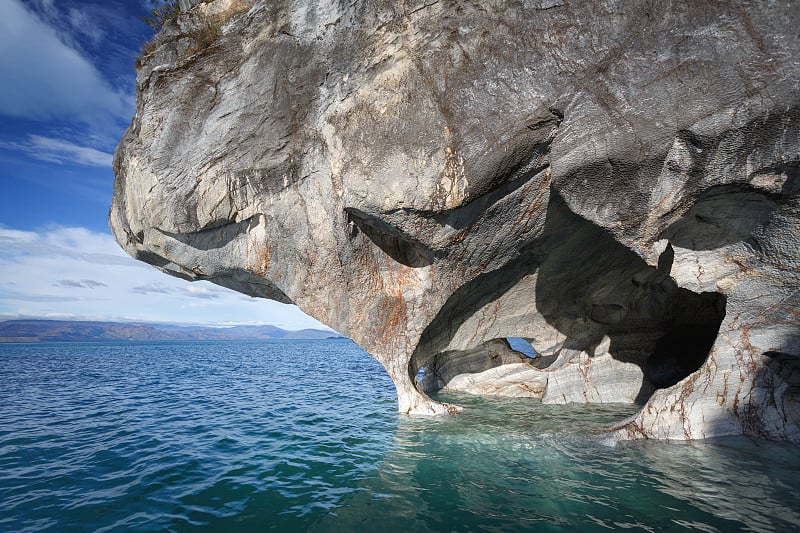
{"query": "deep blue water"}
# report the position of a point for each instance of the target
(303, 435)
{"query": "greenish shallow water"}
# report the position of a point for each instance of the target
(303, 435)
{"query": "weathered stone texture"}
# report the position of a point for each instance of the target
(615, 181)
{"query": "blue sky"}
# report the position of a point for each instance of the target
(66, 97)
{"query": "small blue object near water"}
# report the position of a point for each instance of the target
(303, 435)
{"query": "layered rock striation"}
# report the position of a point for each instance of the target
(616, 182)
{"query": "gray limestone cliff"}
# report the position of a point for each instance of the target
(616, 182)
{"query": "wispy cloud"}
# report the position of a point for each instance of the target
(62, 246)
(45, 78)
(32, 297)
(82, 23)
(76, 273)
(151, 288)
(62, 151)
(79, 284)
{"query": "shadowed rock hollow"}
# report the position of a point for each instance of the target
(616, 182)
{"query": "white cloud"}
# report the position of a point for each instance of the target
(62, 245)
(76, 273)
(45, 78)
(201, 291)
(62, 151)
(9, 236)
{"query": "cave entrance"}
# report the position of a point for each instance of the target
(438, 371)
(613, 327)
(684, 347)
(630, 361)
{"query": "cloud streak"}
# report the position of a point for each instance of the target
(62, 151)
(45, 78)
(152, 288)
(82, 284)
(76, 273)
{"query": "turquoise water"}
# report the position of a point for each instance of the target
(303, 435)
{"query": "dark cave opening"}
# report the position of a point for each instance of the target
(680, 352)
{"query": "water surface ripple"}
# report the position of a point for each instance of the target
(303, 435)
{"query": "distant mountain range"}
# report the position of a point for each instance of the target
(80, 331)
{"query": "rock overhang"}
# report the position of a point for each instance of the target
(614, 185)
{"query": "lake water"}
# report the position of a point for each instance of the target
(303, 435)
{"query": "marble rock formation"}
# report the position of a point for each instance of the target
(616, 182)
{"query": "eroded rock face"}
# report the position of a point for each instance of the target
(615, 181)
